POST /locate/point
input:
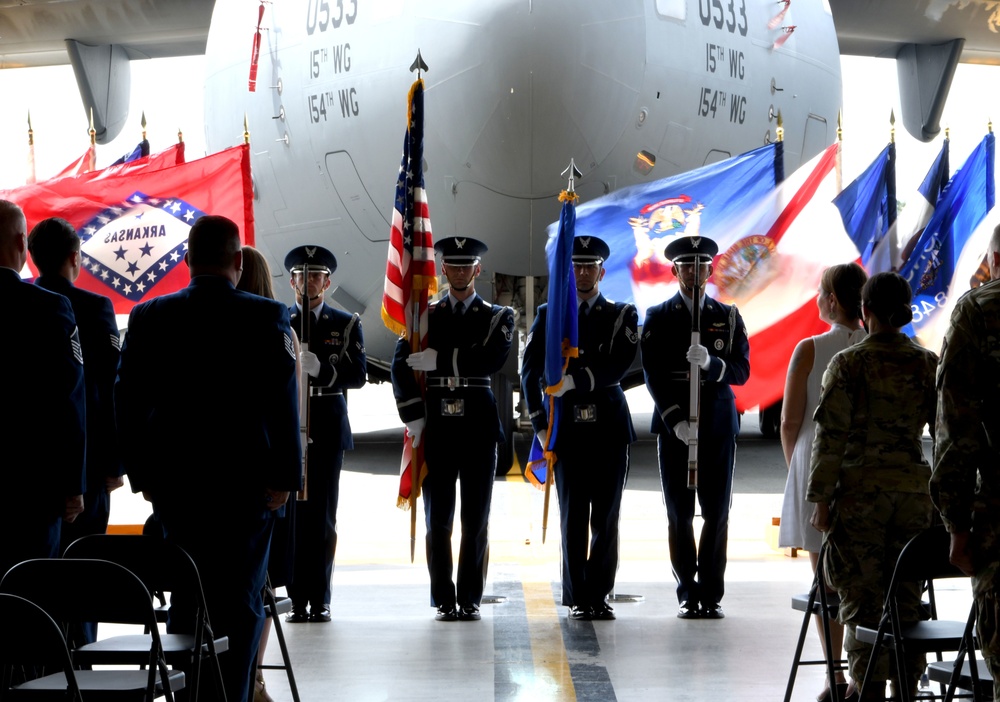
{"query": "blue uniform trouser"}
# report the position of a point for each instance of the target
(473, 465)
(231, 555)
(316, 529)
(590, 480)
(700, 573)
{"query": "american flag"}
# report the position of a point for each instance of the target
(410, 273)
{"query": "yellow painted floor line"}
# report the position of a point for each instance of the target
(548, 651)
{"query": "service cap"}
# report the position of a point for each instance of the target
(460, 251)
(686, 249)
(590, 249)
(318, 259)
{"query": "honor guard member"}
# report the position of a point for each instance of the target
(42, 434)
(207, 408)
(333, 356)
(468, 340)
(55, 249)
(965, 484)
(724, 358)
(594, 434)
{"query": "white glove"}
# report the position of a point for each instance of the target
(416, 430)
(310, 363)
(567, 384)
(540, 435)
(698, 354)
(682, 430)
(423, 360)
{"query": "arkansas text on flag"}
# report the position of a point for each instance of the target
(134, 225)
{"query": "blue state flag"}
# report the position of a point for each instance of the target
(930, 268)
(639, 221)
(561, 328)
(868, 206)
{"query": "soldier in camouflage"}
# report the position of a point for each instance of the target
(965, 484)
(868, 476)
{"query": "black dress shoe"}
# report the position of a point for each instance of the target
(688, 610)
(712, 611)
(446, 613)
(603, 612)
(322, 615)
(469, 613)
(297, 616)
(580, 613)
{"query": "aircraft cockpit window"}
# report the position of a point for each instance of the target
(644, 162)
(674, 9)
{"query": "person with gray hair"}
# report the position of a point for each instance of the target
(43, 459)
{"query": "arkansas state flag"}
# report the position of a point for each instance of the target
(134, 224)
(772, 271)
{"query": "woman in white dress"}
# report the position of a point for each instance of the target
(839, 302)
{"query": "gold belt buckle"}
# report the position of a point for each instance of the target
(453, 408)
(584, 413)
(452, 382)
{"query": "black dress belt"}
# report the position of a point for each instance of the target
(453, 382)
(324, 392)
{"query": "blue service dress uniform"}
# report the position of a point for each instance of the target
(101, 346)
(460, 439)
(43, 430)
(207, 408)
(666, 337)
(592, 442)
(336, 338)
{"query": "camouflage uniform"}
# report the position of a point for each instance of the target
(868, 465)
(968, 423)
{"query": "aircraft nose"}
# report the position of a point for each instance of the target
(568, 70)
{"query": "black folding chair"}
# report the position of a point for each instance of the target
(29, 640)
(162, 567)
(923, 559)
(817, 601)
(971, 675)
(76, 591)
(274, 607)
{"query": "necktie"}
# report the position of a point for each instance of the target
(460, 307)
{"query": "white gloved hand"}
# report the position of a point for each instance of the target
(416, 430)
(698, 354)
(567, 384)
(682, 430)
(310, 363)
(423, 360)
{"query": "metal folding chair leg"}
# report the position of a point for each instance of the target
(817, 601)
(274, 610)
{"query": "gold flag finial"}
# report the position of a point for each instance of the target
(180, 136)
(92, 131)
(779, 133)
(892, 126)
(989, 125)
(840, 125)
(246, 129)
(143, 123)
(31, 132)
(947, 132)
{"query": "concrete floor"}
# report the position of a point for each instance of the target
(384, 644)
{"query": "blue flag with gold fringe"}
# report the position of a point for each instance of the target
(561, 332)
